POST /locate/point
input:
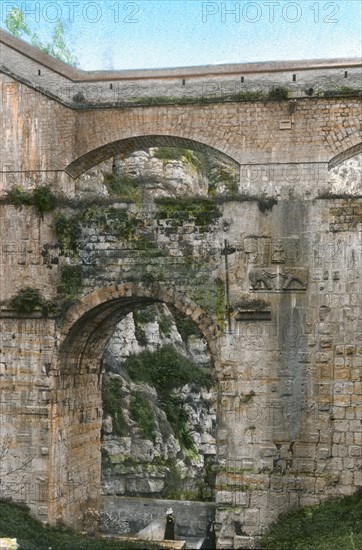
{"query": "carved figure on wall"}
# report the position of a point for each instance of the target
(294, 275)
(261, 278)
(278, 252)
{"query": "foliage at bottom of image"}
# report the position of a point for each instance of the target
(332, 525)
(17, 522)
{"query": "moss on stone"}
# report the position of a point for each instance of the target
(28, 300)
(71, 282)
(68, 231)
(122, 187)
(41, 198)
(201, 211)
(253, 304)
(115, 221)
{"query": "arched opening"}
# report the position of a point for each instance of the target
(345, 173)
(129, 145)
(77, 404)
(345, 155)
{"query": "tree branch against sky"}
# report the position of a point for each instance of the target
(17, 25)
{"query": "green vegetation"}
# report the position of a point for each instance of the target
(249, 95)
(145, 315)
(112, 404)
(142, 316)
(174, 483)
(42, 198)
(329, 526)
(332, 196)
(204, 212)
(31, 534)
(165, 325)
(343, 91)
(217, 175)
(264, 203)
(163, 100)
(29, 300)
(142, 412)
(247, 397)
(175, 487)
(16, 25)
(222, 176)
(167, 370)
(19, 197)
(71, 283)
(116, 221)
(185, 326)
(68, 231)
(196, 159)
(255, 304)
(278, 93)
(121, 187)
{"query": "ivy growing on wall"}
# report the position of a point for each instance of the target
(41, 198)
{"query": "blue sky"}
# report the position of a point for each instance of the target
(121, 34)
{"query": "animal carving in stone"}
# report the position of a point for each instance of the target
(261, 278)
(294, 275)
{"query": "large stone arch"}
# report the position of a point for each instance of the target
(345, 155)
(76, 408)
(128, 145)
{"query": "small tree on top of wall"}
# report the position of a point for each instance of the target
(16, 25)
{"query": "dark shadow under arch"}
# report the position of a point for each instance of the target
(128, 145)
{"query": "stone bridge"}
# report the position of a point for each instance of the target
(271, 274)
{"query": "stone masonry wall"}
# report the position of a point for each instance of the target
(273, 286)
(289, 388)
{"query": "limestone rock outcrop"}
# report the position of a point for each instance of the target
(143, 453)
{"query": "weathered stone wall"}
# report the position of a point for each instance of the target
(283, 327)
(289, 388)
(134, 514)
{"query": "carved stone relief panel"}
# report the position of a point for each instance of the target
(271, 279)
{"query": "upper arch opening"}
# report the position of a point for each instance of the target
(129, 145)
(345, 155)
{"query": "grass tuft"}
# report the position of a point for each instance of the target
(17, 522)
(329, 526)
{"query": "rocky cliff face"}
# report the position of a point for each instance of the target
(347, 177)
(172, 172)
(159, 408)
(160, 172)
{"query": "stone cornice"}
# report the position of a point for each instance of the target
(205, 71)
